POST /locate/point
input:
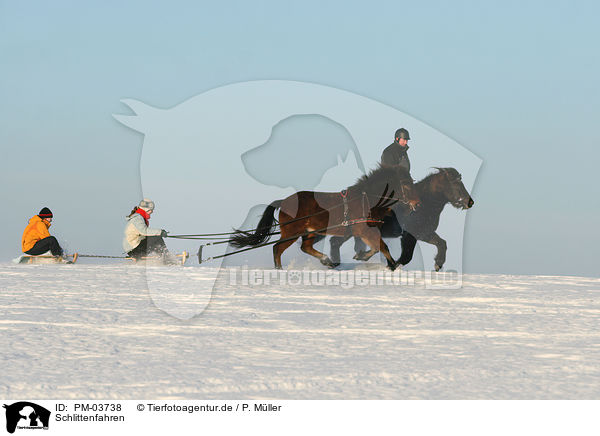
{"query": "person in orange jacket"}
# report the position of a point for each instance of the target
(36, 237)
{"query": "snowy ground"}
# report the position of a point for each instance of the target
(92, 331)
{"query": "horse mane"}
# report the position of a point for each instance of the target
(430, 176)
(382, 174)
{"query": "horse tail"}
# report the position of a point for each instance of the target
(263, 229)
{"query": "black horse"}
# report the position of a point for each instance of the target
(435, 191)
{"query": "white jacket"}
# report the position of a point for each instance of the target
(135, 232)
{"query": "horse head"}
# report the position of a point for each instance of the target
(450, 183)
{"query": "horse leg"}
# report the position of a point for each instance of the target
(318, 238)
(366, 255)
(368, 236)
(408, 243)
(386, 252)
(360, 249)
(335, 243)
(278, 250)
(390, 229)
(373, 238)
(307, 247)
(440, 258)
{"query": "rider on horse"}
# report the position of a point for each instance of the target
(396, 152)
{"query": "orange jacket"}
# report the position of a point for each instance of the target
(36, 229)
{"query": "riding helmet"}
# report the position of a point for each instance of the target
(402, 134)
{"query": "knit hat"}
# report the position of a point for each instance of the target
(146, 204)
(45, 213)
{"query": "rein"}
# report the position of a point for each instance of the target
(384, 201)
(307, 233)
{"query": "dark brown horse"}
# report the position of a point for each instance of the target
(435, 191)
(311, 215)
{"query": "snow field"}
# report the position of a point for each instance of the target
(93, 331)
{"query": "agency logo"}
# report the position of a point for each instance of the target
(215, 162)
(26, 416)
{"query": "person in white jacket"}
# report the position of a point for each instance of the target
(141, 240)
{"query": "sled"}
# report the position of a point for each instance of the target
(45, 259)
(158, 260)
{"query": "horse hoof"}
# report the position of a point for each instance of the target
(360, 255)
(334, 265)
(438, 267)
(327, 262)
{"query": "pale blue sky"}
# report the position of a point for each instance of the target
(516, 83)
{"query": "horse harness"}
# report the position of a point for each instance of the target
(366, 218)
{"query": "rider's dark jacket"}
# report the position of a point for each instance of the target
(395, 154)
